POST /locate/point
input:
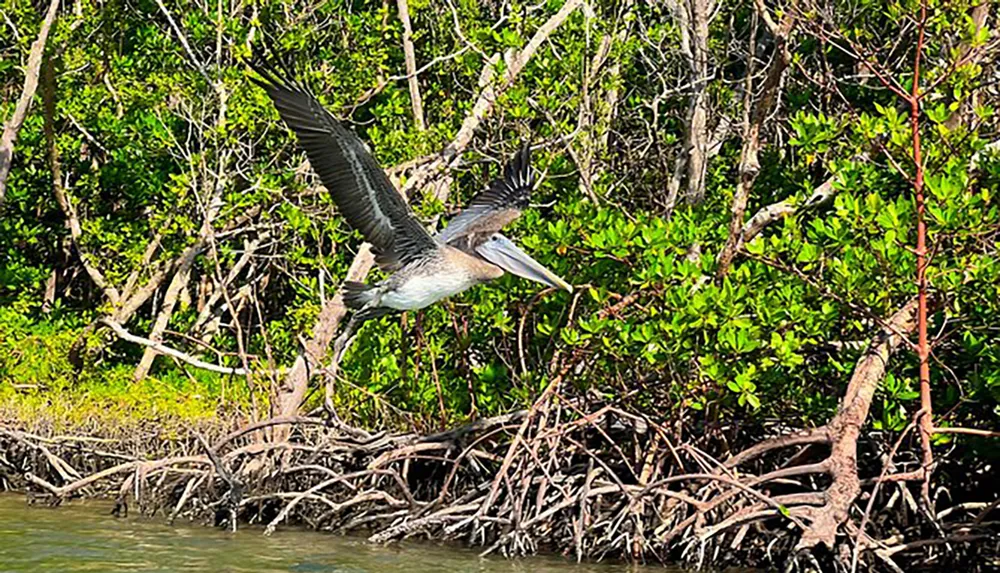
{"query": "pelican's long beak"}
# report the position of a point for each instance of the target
(503, 253)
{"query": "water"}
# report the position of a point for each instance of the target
(83, 536)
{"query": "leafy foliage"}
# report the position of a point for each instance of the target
(145, 140)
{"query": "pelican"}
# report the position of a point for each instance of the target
(425, 268)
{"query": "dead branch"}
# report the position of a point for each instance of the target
(777, 211)
(163, 349)
(967, 431)
(201, 326)
(177, 284)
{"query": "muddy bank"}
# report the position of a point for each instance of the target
(590, 480)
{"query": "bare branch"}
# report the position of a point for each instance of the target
(765, 216)
(249, 249)
(411, 65)
(753, 124)
(13, 125)
(163, 349)
(183, 40)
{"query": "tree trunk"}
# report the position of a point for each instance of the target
(923, 344)
(697, 143)
(693, 18)
(846, 427)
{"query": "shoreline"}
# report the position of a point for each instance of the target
(598, 485)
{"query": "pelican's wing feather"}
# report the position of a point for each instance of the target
(494, 207)
(359, 187)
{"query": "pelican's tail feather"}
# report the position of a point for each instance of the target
(359, 298)
(357, 295)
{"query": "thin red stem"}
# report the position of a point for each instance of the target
(923, 346)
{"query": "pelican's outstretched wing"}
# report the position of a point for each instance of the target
(359, 187)
(493, 208)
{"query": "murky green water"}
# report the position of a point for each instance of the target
(82, 536)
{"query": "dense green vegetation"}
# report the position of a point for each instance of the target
(166, 151)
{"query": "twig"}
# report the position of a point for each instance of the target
(966, 431)
(183, 40)
(277, 421)
(871, 500)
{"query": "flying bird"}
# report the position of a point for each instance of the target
(425, 268)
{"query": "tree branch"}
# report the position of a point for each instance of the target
(777, 211)
(749, 162)
(163, 349)
(411, 65)
(60, 190)
(183, 40)
(487, 99)
(13, 125)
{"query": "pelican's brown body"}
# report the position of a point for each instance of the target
(423, 282)
(426, 268)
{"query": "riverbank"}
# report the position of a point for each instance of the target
(586, 479)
